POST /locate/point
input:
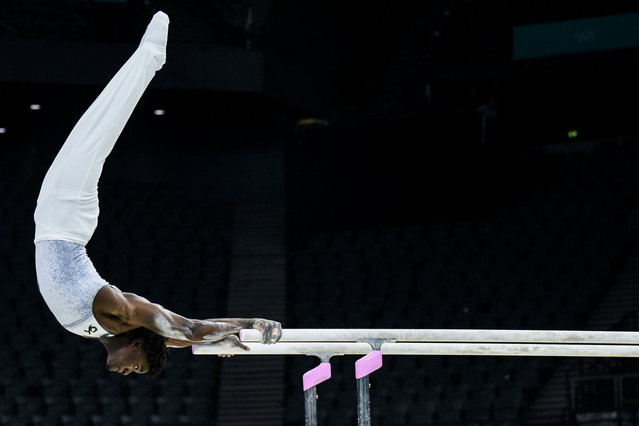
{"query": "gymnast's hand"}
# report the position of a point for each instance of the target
(271, 330)
(231, 341)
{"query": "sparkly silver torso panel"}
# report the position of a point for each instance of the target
(68, 283)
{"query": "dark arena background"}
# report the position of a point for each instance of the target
(335, 164)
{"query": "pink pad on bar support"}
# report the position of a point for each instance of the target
(366, 365)
(317, 375)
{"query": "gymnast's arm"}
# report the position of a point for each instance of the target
(229, 341)
(133, 311)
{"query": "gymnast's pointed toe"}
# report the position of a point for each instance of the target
(156, 36)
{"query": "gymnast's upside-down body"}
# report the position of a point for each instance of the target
(134, 331)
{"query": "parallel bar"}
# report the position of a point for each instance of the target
(454, 335)
(360, 348)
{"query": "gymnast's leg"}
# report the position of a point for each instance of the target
(67, 207)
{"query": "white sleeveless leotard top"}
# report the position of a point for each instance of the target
(68, 283)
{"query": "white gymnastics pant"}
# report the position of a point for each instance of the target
(67, 207)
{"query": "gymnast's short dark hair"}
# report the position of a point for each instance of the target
(154, 347)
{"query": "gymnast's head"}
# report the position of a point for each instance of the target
(137, 351)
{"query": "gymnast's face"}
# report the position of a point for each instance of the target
(128, 358)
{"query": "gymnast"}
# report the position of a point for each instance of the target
(135, 332)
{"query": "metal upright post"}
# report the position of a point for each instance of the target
(310, 406)
(363, 402)
(363, 368)
(310, 380)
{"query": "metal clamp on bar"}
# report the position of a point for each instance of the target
(372, 361)
(319, 374)
(368, 363)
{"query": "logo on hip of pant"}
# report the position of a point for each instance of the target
(91, 329)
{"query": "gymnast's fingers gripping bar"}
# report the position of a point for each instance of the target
(426, 348)
(453, 336)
